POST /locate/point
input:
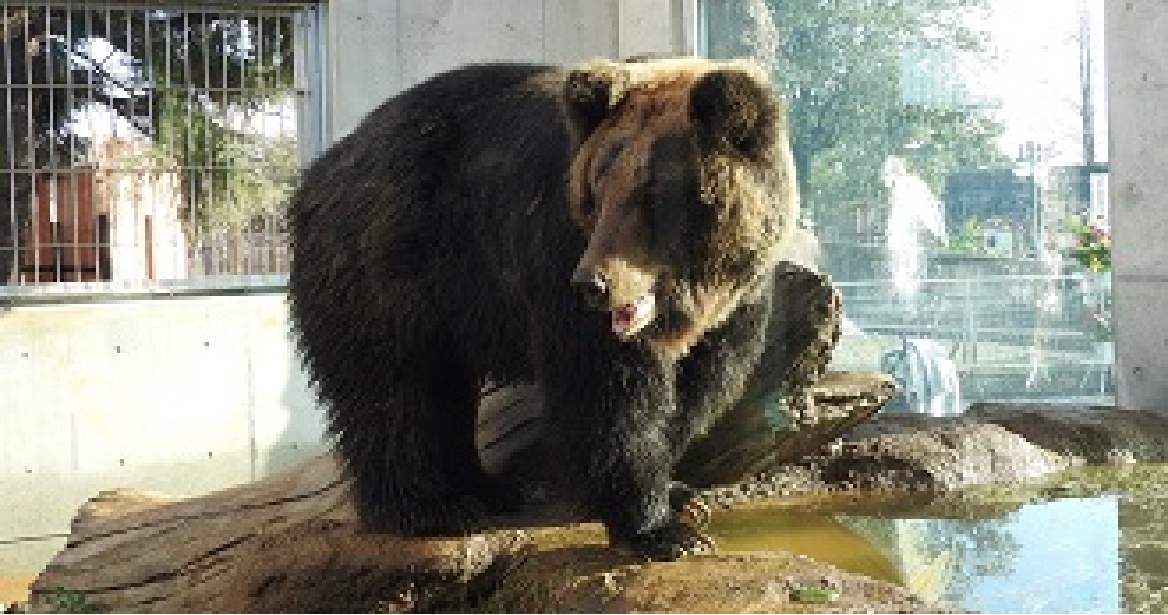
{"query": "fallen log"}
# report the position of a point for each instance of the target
(289, 543)
(292, 542)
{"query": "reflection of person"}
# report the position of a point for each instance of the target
(913, 214)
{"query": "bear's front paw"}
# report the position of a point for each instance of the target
(673, 541)
(688, 506)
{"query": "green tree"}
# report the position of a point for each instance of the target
(177, 76)
(838, 63)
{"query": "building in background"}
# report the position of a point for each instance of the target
(115, 218)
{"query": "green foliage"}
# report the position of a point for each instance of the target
(838, 63)
(187, 74)
(229, 175)
(237, 55)
(68, 601)
(813, 595)
(970, 239)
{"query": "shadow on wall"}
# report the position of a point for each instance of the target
(289, 428)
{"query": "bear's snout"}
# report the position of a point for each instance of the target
(592, 287)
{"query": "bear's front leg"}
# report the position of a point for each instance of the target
(713, 376)
(610, 410)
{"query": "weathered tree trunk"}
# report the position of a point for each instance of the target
(289, 543)
(292, 542)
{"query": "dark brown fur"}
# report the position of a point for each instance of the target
(616, 163)
(435, 248)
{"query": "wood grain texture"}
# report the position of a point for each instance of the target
(289, 543)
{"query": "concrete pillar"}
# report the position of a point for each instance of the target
(656, 27)
(1137, 66)
(364, 66)
(377, 48)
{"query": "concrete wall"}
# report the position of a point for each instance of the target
(179, 395)
(1137, 66)
(379, 47)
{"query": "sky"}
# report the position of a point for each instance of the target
(276, 119)
(1067, 561)
(1036, 75)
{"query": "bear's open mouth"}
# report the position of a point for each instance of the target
(630, 318)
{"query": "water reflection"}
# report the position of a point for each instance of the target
(1053, 557)
(1093, 541)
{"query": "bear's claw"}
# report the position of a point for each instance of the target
(695, 512)
(673, 541)
(689, 506)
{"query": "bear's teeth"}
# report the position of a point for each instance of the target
(629, 318)
(622, 319)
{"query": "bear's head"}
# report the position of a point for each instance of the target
(682, 180)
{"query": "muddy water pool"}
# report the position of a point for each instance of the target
(1090, 540)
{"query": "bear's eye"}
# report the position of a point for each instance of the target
(649, 219)
(588, 208)
(606, 161)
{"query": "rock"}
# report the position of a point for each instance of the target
(945, 457)
(991, 443)
(290, 544)
(597, 580)
(1094, 434)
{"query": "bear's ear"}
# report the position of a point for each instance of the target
(590, 93)
(734, 112)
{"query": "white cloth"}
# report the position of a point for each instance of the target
(929, 377)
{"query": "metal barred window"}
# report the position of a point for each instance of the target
(151, 146)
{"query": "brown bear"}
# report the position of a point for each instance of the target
(607, 231)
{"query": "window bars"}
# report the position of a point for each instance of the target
(151, 143)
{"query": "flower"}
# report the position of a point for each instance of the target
(1091, 249)
(1092, 244)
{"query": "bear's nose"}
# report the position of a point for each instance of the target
(592, 286)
